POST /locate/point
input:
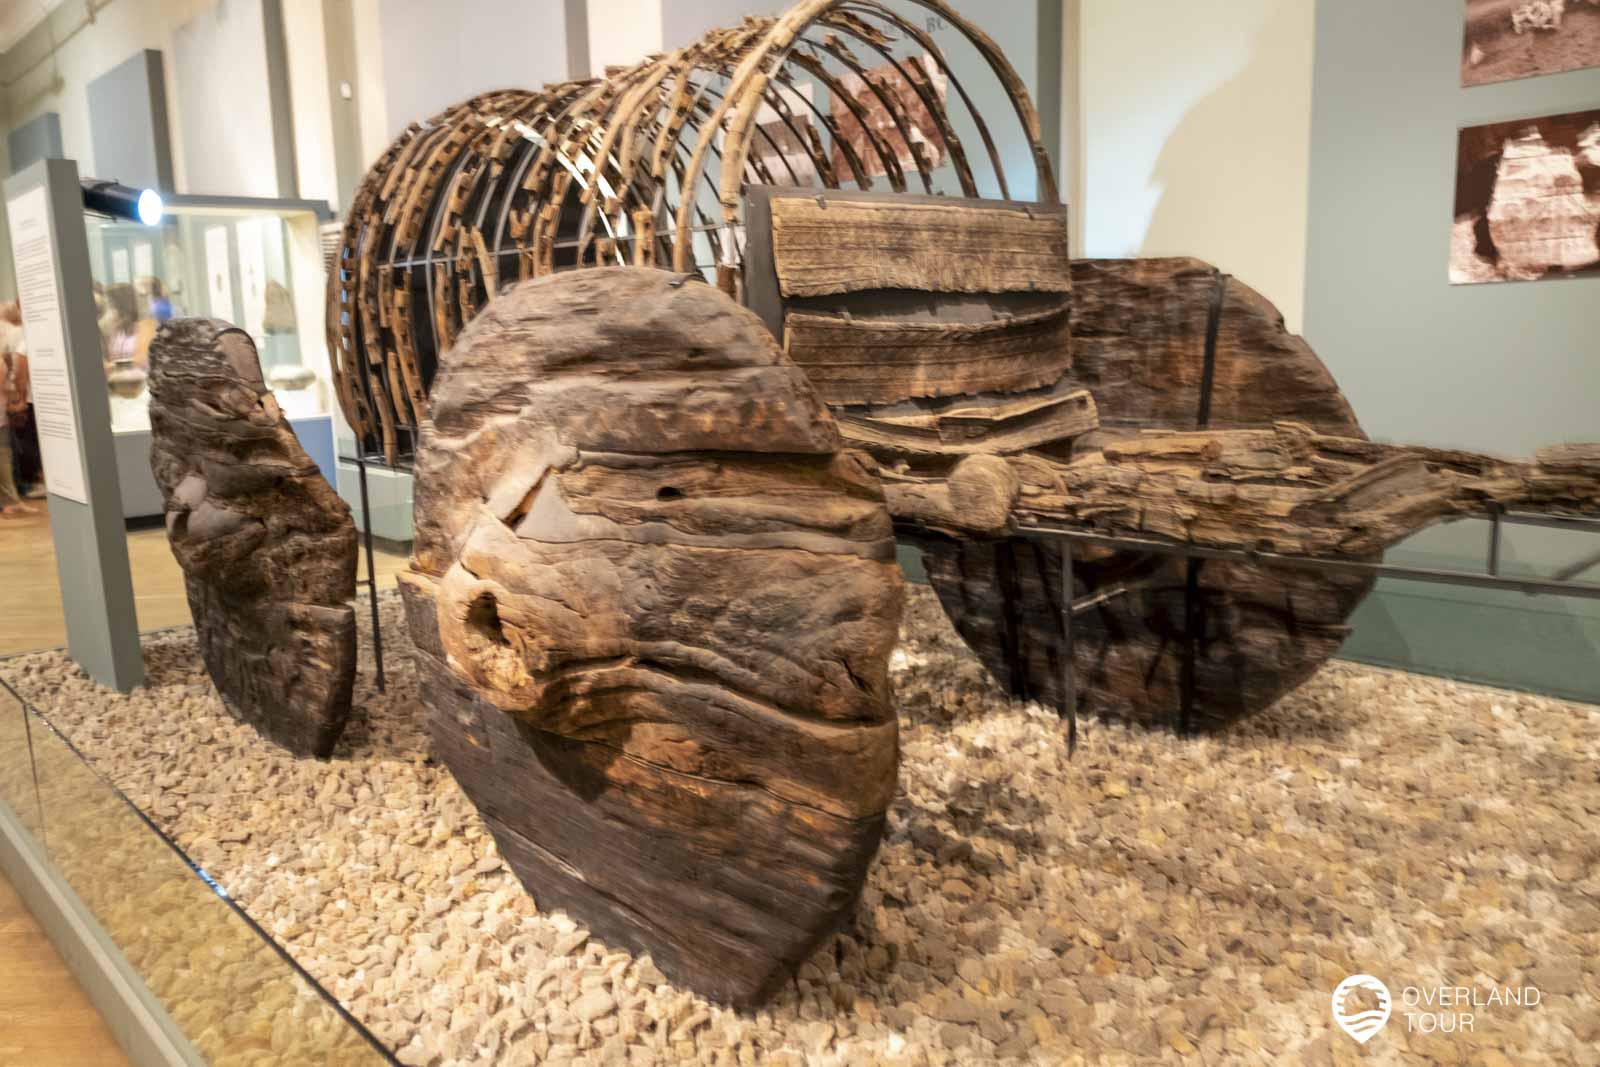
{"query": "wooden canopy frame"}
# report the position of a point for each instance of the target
(514, 184)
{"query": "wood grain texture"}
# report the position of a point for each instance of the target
(878, 361)
(1138, 341)
(653, 603)
(1139, 330)
(267, 547)
(988, 425)
(826, 247)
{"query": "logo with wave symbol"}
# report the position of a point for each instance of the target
(1361, 1006)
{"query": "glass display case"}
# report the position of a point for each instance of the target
(254, 263)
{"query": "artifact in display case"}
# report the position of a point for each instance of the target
(267, 548)
(225, 258)
(999, 387)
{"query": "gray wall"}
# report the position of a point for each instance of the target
(433, 58)
(128, 123)
(1501, 368)
(230, 73)
(39, 138)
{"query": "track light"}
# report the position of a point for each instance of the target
(122, 201)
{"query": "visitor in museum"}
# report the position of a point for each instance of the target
(27, 469)
(11, 502)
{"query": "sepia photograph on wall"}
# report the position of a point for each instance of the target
(1510, 39)
(1527, 203)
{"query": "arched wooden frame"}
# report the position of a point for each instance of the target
(629, 168)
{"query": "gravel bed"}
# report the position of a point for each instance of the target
(1153, 899)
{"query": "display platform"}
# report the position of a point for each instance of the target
(1152, 897)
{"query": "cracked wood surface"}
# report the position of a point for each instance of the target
(874, 361)
(1138, 332)
(653, 602)
(267, 548)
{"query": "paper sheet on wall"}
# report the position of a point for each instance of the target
(34, 257)
(253, 278)
(119, 265)
(144, 261)
(219, 276)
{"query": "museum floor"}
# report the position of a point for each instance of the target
(1154, 898)
(30, 598)
(45, 1019)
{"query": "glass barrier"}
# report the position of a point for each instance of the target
(233, 264)
(229, 989)
(17, 784)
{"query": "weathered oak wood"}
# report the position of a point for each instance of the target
(877, 361)
(1286, 490)
(653, 603)
(843, 246)
(1138, 344)
(1139, 336)
(268, 549)
(994, 425)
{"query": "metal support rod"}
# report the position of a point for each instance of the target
(1572, 570)
(372, 581)
(1069, 663)
(1193, 622)
(1005, 566)
(1494, 542)
(1551, 586)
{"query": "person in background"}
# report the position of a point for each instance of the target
(127, 334)
(24, 430)
(11, 503)
(157, 301)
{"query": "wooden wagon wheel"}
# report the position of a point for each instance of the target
(1139, 330)
(653, 602)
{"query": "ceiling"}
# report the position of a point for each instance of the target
(17, 17)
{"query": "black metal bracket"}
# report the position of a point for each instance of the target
(362, 461)
(1560, 583)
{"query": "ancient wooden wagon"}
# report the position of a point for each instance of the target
(916, 353)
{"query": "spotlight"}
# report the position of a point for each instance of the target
(120, 201)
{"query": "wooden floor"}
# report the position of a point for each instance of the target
(30, 599)
(45, 1019)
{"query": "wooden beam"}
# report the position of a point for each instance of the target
(826, 247)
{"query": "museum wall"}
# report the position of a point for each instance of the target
(1503, 368)
(623, 31)
(233, 97)
(1196, 139)
(430, 62)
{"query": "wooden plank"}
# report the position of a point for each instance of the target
(973, 428)
(862, 361)
(826, 247)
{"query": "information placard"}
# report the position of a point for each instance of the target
(33, 254)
